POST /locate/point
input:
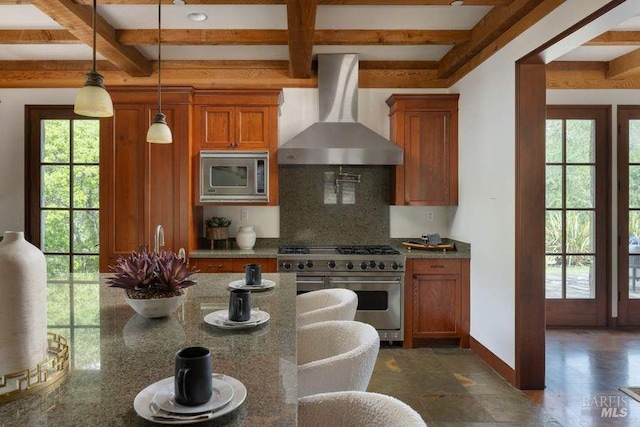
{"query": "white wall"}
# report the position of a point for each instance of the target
(12, 102)
(486, 213)
(613, 98)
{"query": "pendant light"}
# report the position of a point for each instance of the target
(159, 131)
(93, 99)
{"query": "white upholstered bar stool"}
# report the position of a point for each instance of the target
(336, 355)
(326, 304)
(356, 409)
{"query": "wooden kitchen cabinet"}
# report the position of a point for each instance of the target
(245, 120)
(143, 185)
(437, 300)
(426, 127)
(231, 265)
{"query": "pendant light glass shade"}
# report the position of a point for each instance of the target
(159, 132)
(93, 100)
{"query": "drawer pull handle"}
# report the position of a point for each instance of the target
(437, 266)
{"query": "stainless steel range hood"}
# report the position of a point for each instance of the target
(338, 138)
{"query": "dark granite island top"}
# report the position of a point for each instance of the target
(115, 353)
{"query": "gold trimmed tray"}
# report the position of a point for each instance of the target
(46, 373)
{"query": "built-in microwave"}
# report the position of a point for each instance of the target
(234, 176)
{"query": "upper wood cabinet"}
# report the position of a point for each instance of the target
(143, 185)
(426, 127)
(237, 120)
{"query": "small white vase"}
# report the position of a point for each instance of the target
(23, 305)
(246, 237)
(153, 308)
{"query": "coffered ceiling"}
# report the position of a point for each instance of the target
(273, 43)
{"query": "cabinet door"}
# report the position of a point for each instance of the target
(436, 306)
(217, 125)
(252, 128)
(428, 171)
(212, 265)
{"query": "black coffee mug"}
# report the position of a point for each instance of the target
(253, 274)
(192, 383)
(239, 305)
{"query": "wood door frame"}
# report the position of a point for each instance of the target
(529, 218)
(580, 315)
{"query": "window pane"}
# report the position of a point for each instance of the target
(57, 266)
(634, 186)
(634, 141)
(554, 186)
(86, 301)
(580, 232)
(55, 141)
(634, 271)
(581, 273)
(85, 267)
(553, 277)
(86, 141)
(580, 141)
(55, 186)
(634, 227)
(580, 186)
(554, 141)
(58, 303)
(553, 227)
(86, 190)
(55, 225)
(85, 231)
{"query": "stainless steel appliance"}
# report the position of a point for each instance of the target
(234, 176)
(375, 273)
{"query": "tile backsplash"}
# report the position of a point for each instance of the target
(305, 218)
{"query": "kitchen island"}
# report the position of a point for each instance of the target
(116, 353)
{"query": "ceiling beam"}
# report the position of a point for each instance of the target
(624, 66)
(491, 26)
(219, 74)
(586, 75)
(78, 20)
(616, 38)
(301, 23)
(247, 37)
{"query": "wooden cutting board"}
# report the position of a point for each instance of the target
(424, 246)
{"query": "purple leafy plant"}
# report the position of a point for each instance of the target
(151, 272)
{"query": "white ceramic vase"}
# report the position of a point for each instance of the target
(23, 305)
(153, 308)
(246, 237)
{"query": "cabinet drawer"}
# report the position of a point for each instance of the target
(268, 264)
(212, 265)
(436, 266)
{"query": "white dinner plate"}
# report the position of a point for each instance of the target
(222, 392)
(142, 402)
(220, 319)
(242, 284)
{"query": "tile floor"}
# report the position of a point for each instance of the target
(449, 386)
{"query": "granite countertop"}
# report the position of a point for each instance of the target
(270, 250)
(116, 353)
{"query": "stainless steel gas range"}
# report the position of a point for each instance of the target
(375, 273)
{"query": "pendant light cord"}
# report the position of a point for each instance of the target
(95, 5)
(159, 58)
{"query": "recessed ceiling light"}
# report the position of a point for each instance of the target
(457, 3)
(197, 16)
(179, 2)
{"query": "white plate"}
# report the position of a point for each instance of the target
(220, 319)
(242, 284)
(221, 395)
(142, 402)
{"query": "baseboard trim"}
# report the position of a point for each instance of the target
(504, 370)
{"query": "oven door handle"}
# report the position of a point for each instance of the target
(311, 282)
(351, 282)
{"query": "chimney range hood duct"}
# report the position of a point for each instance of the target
(338, 139)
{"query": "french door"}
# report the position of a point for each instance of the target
(629, 215)
(577, 215)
